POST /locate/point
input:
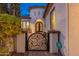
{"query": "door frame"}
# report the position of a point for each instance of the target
(36, 50)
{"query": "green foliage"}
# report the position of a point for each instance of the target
(2, 8)
(4, 51)
(15, 5)
(9, 26)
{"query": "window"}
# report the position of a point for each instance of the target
(25, 25)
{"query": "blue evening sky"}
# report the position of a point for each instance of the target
(24, 7)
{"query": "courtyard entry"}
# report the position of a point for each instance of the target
(38, 41)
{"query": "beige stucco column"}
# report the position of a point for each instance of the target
(74, 29)
(21, 43)
(52, 43)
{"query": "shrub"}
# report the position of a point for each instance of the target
(9, 26)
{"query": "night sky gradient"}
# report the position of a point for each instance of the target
(24, 7)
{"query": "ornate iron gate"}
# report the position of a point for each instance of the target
(37, 41)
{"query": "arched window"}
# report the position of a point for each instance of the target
(39, 26)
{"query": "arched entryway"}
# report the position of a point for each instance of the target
(38, 40)
(39, 25)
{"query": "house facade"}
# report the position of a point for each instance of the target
(52, 19)
(66, 21)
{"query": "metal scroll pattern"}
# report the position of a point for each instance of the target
(37, 41)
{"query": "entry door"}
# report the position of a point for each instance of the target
(39, 27)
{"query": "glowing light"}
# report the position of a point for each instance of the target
(25, 25)
(54, 21)
(39, 20)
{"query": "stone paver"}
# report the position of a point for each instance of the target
(36, 53)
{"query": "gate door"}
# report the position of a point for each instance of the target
(37, 41)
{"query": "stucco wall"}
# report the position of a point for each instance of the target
(34, 14)
(32, 28)
(74, 29)
(53, 37)
(21, 43)
(53, 40)
(62, 25)
(47, 23)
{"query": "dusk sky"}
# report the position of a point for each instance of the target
(24, 7)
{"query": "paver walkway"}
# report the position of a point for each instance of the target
(36, 53)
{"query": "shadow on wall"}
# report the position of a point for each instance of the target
(62, 39)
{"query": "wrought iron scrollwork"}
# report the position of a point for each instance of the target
(37, 41)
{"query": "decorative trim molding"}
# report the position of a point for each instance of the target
(25, 17)
(47, 9)
(35, 7)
